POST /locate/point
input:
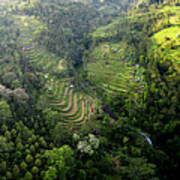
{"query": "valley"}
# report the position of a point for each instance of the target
(89, 89)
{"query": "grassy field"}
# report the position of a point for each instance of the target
(168, 39)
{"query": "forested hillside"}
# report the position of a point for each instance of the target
(89, 89)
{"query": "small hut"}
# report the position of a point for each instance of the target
(71, 86)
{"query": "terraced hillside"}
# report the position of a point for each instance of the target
(112, 65)
(109, 73)
(38, 56)
(73, 107)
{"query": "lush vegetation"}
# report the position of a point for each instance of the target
(89, 89)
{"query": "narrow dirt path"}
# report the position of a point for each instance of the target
(59, 92)
(69, 101)
(74, 107)
(82, 113)
(60, 66)
(64, 95)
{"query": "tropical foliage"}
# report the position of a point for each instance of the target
(89, 89)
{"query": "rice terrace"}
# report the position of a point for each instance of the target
(75, 107)
(89, 89)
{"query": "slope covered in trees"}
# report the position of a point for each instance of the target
(151, 42)
(89, 89)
